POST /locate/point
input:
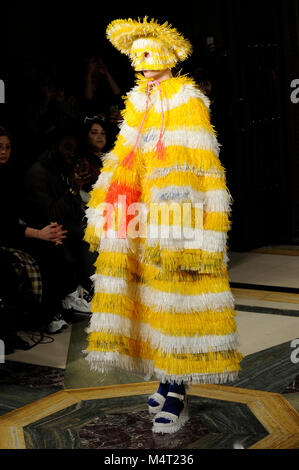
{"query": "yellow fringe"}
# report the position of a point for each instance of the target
(194, 109)
(92, 237)
(200, 159)
(208, 283)
(198, 183)
(199, 260)
(176, 364)
(169, 323)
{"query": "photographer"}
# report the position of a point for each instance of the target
(102, 95)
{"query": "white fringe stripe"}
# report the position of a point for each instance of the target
(162, 172)
(193, 139)
(165, 301)
(214, 201)
(114, 246)
(185, 93)
(112, 323)
(167, 237)
(126, 246)
(103, 180)
(220, 378)
(105, 362)
(217, 200)
(95, 218)
(172, 237)
(185, 303)
(206, 240)
(109, 157)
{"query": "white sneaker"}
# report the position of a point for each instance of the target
(57, 324)
(77, 300)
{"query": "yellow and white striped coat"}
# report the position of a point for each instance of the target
(164, 306)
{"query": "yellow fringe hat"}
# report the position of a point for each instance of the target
(149, 45)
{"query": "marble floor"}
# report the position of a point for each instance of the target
(50, 399)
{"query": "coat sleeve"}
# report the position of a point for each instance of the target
(193, 180)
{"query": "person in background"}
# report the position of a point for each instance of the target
(100, 87)
(94, 143)
(52, 191)
(55, 108)
(14, 234)
(203, 79)
(102, 95)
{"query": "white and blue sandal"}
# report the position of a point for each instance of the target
(156, 401)
(173, 415)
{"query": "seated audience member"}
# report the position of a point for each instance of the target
(94, 143)
(20, 277)
(52, 192)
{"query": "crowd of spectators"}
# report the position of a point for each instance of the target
(45, 266)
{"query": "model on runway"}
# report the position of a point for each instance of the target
(162, 305)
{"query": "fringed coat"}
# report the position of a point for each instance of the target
(162, 304)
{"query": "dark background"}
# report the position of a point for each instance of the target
(250, 50)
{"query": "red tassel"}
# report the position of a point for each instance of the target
(160, 150)
(128, 160)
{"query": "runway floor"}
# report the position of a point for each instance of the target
(49, 399)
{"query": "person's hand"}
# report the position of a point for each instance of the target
(53, 233)
(92, 65)
(115, 116)
(101, 67)
(97, 67)
(80, 177)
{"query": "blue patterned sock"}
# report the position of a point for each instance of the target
(173, 404)
(162, 390)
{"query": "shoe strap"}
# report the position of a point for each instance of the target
(176, 395)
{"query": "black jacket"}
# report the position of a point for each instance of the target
(12, 232)
(48, 197)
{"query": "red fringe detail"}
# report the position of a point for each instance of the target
(160, 150)
(132, 195)
(115, 189)
(128, 160)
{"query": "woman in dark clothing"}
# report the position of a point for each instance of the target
(95, 141)
(14, 235)
(13, 230)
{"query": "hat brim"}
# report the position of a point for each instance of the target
(122, 34)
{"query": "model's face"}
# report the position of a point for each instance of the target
(5, 149)
(96, 138)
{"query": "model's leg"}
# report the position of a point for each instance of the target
(157, 400)
(174, 412)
